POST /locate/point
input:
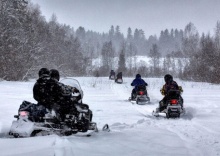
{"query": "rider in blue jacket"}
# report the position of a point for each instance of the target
(137, 82)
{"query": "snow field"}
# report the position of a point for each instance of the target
(134, 131)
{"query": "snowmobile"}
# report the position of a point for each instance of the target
(141, 95)
(111, 77)
(119, 78)
(174, 105)
(73, 122)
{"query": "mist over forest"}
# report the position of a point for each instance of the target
(29, 42)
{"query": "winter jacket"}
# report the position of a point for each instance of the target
(59, 93)
(137, 82)
(169, 86)
(41, 91)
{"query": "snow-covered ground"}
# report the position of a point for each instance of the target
(134, 131)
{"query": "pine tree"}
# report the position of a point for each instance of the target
(155, 59)
(107, 57)
(121, 62)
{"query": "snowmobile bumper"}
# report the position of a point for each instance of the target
(120, 81)
(21, 128)
(143, 99)
(93, 126)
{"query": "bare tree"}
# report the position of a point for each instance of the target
(190, 40)
(155, 59)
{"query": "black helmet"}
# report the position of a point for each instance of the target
(138, 76)
(168, 78)
(55, 74)
(43, 72)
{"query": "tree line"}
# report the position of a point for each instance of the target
(29, 42)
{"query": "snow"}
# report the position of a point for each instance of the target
(134, 131)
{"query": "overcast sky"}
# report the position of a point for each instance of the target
(150, 15)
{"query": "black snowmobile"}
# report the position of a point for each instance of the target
(112, 75)
(141, 95)
(174, 105)
(119, 78)
(27, 124)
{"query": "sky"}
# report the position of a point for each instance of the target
(134, 131)
(152, 16)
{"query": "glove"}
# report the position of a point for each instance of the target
(180, 89)
(162, 91)
(75, 90)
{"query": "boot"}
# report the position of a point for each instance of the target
(161, 104)
(156, 113)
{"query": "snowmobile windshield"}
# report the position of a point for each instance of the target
(73, 83)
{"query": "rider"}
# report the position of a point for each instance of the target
(119, 75)
(40, 90)
(40, 94)
(55, 77)
(170, 84)
(137, 82)
(112, 73)
(62, 95)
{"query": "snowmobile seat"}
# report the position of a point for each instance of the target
(173, 94)
(141, 88)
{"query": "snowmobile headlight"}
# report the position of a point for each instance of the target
(23, 113)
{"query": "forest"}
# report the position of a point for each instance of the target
(28, 42)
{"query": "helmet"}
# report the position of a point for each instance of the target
(55, 74)
(43, 72)
(168, 78)
(138, 76)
